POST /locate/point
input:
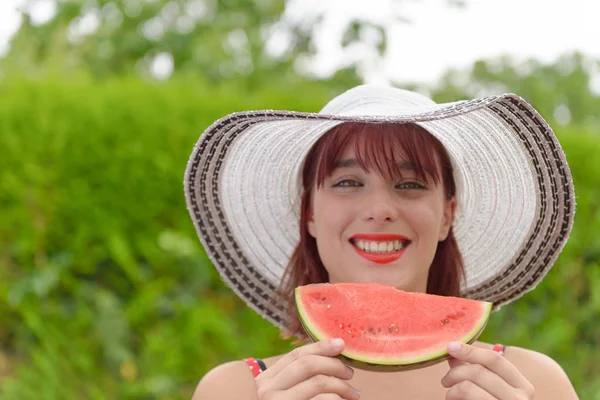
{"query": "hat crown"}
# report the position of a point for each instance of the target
(375, 100)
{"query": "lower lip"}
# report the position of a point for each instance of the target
(381, 258)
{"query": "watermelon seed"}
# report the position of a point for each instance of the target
(391, 328)
(341, 326)
(328, 305)
(371, 329)
(349, 331)
(397, 330)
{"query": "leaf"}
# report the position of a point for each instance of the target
(119, 249)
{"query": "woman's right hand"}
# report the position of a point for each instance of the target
(309, 372)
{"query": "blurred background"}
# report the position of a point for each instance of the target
(105, 292)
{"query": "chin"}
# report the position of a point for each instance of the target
(397, 274)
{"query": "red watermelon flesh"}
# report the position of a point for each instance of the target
(382, 325)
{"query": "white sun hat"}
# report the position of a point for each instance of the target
(515, 193)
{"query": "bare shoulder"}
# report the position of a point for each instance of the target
(545, 374)
(216, 384)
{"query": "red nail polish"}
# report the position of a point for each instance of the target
(499, 348)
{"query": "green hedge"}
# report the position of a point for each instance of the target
(105, 291)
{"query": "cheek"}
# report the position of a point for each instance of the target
(325, 216)
(425, 220)
(330, 219)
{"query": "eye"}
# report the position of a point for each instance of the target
(410, 185)
(347, 183)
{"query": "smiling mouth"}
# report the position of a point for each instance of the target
(381, 249)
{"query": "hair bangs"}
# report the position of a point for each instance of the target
(387, 149)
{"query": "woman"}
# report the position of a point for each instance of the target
(470, 199)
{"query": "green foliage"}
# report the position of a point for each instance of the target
(106, 293)
(562, 91)
(257, 40)
(218, 39)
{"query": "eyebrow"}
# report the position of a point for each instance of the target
(353, 163)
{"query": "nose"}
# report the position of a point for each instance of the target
(381, 206)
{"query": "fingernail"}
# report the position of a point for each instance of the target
(337, 343)
(349, 371)
(453, 347)
(356, 393)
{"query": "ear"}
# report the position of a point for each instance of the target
(448, 218)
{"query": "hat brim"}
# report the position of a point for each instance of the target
(514, 189)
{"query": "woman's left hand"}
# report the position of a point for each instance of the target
(482, 374)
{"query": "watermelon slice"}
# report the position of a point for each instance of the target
(386, 329)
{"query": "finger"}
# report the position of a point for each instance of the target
(327, 396)
(480, 376)
(453, 362)
(490, 359)
(322, 384)
(330, 348)
(467, 390)
(309, 366)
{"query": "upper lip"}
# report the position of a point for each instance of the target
(379, 236)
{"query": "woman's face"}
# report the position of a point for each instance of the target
(369, 228)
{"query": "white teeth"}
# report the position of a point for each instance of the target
(380, 247)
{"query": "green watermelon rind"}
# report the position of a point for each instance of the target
(369, 366)
(392, 365)
(468, 338)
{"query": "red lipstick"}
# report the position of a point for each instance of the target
(385, 258)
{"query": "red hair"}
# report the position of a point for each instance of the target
(378, 147)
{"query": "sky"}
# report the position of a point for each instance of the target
(437, 37)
